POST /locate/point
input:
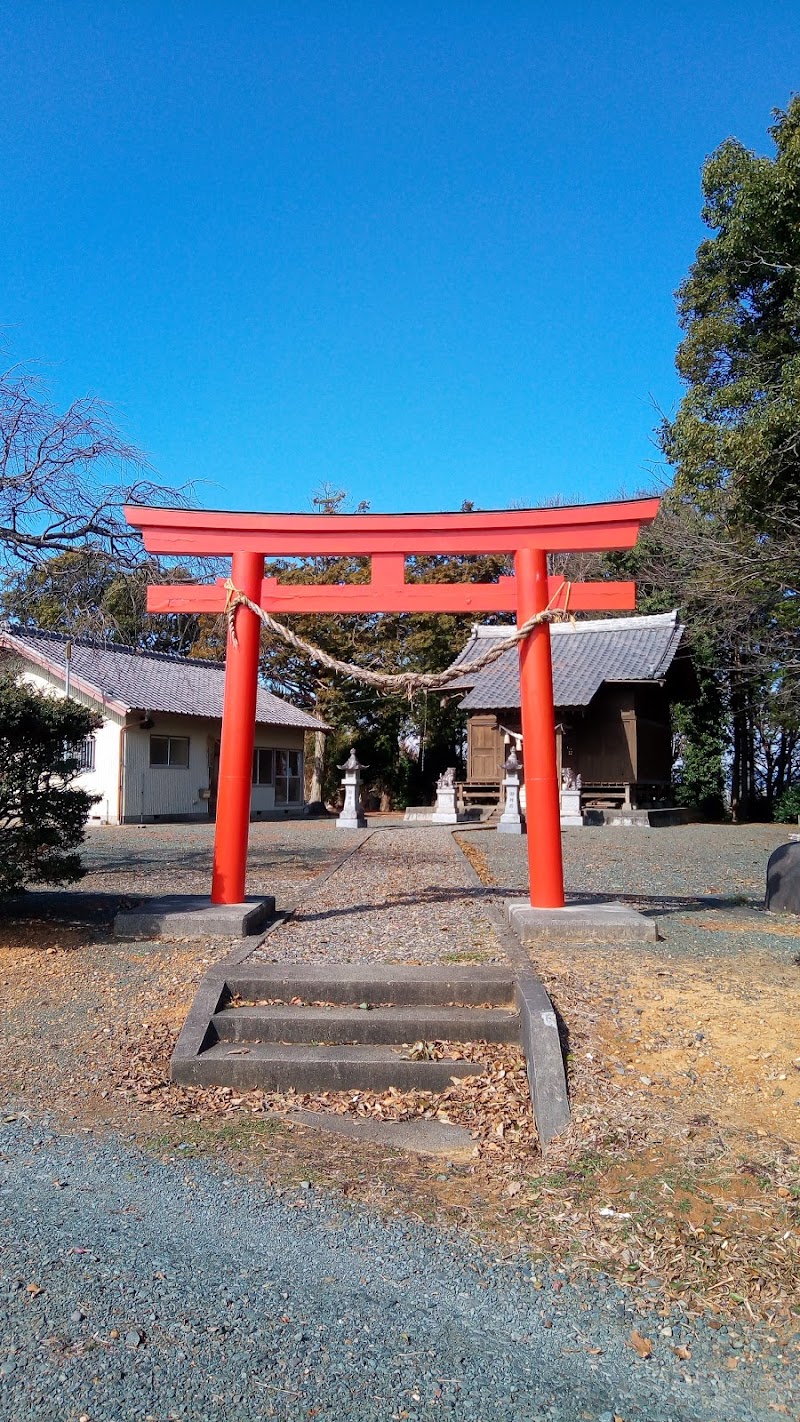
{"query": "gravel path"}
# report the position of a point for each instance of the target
(406, 895)
(134, 1289)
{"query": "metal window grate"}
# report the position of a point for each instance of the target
(86, 753)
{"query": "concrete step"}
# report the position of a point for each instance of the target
(277, 1067)
(380, 1025)
(348, 984)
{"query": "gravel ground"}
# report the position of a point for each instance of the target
(682, 876)
(683, 863)
(405, 897)
(131, 860)
(136, 1289)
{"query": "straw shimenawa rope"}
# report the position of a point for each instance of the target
(409, 681)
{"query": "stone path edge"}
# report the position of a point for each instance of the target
(539, 1033)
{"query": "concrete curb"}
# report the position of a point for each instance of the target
(197, 1032)
(539, 1034)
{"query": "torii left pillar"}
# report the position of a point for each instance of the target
(238, 735)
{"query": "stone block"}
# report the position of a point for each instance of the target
(783, 879)
(420, 1137)
(543, 1057)
(419, 815)
(193, 916)
(445, 809)
(591, 923)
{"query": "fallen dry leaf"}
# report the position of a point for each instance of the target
(683, 1353)
(641, 1345)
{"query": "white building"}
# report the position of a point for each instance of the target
(156, 755)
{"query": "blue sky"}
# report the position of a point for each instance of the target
(422, 252)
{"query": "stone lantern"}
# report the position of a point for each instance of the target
(352, 814)
(510, 821)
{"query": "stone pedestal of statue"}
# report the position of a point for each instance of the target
(445, 812)
(571, 817)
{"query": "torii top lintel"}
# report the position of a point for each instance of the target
(571, 528)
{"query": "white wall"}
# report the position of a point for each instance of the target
(124, 778)
(161, 791)
(104, 779)
(150, 790)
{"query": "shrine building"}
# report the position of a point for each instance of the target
(614, 680)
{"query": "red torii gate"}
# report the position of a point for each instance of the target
(387, 540)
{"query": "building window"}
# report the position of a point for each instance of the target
(262, 766)
(169, 750)
(288, 777)
(86, 754)
(81, 753)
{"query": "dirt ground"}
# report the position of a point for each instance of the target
(680, 1172)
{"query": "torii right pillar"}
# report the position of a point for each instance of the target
(542, 791)
(544, 916)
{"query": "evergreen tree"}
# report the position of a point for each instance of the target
(42, 813)
(727, 544)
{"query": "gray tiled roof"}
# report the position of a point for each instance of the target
(585, 654)
(148, 680)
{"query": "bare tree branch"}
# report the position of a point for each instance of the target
(65, 475)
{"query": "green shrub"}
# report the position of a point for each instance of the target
(42, 815)
(786, 809)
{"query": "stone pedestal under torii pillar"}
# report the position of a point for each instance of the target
(510, 821)
(352, 814)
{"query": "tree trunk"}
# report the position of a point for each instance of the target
(317, 767)
(736, 763)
